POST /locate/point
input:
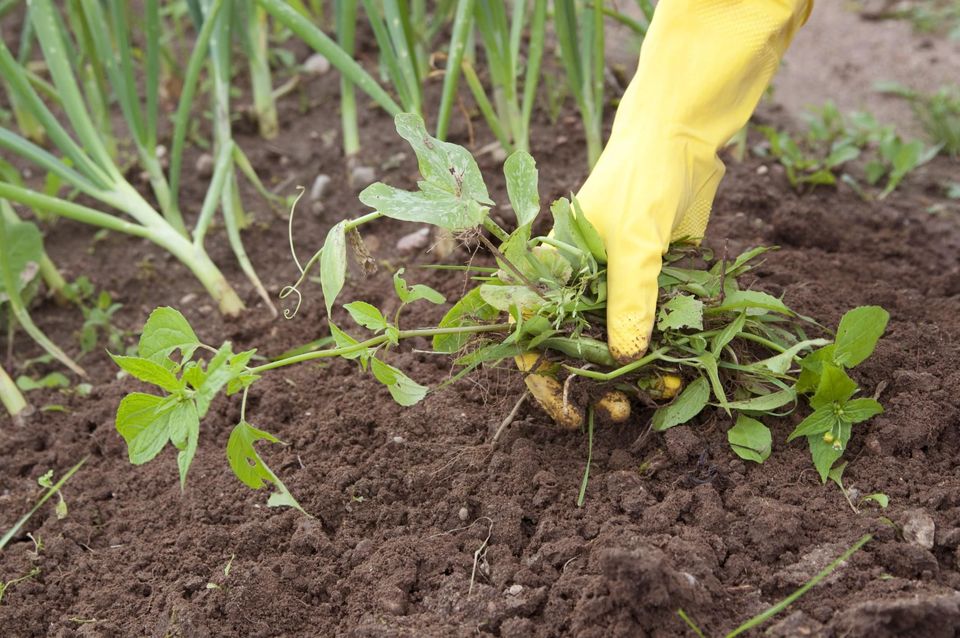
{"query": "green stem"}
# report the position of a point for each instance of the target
(586, 472)
(613, 374)
(377, 341)
(346, 16)
(11, 397)
(789, 600)
(462, 24)
(495, 229)
(263, 104)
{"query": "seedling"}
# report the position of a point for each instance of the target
(52, 488)
(5, 586)
(938, 113)
(834, 140)
(740, 350)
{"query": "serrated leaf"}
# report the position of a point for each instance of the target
(333, 264)
(144, 425)
(687, 405)
(250, 468)
(683, 311)
(366, 315)
(835, 387)
(818, 422)
(520, 171)
(750, 439)
(471, 310)
(223, 367)
(167, 330)
(506, 297)
(403, 389)
(184, 427)
(147, 371)
(860, 410)
(409, 294)
(858, 333)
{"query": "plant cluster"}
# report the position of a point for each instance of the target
(938, 113)
(833, 141)
(740, 350)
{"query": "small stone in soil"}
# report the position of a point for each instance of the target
(204, 165)
(919, 528)
(362, 176)
(316, 64)
(515, 590)
(319, 187)
(414, 241)
(463, 514)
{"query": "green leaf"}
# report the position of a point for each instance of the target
(148, 371)
(683, 311)
(429, 205)
(858, 333)
(709, 364)
(343, 340)
(23, 250)
(879, 498)
(143, 422)
(520, 170)
(588, 232)
(725, 336)
(184, 425)
(783, 361)
(825, 454)
(566, 230)
(811, 366)
(750, 439)
(223, 367)
(835, 387)
(819, 421)
(416, 292)
(506, 297)
(366, 315)
(836, 475)
(444, 164)
(753, 302)
(452, 194)
(686, 406)
(860, 410)
(333, 264)
(250, 468)
(49, 381)
(403, 389)
(765, 402)
(165, 331)
(471, 310)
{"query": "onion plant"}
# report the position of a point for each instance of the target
(255, 43)
(83, 162)
(580, 35)
(508, 114)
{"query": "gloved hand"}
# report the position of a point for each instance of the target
(703, 67)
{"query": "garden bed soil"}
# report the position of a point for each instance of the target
(422, 527)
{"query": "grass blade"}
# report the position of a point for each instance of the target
(13, 531)
(462, 24)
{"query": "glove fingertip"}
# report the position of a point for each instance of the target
(628, 337)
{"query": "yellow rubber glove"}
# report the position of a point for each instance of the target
(703, 67)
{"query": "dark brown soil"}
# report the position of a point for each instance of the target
(422, 528)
